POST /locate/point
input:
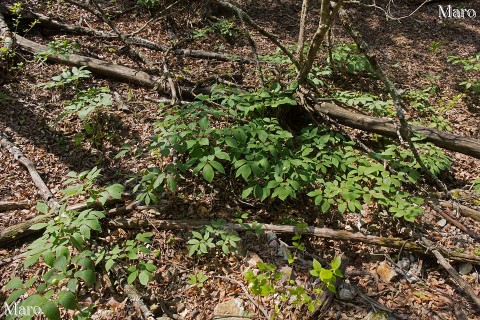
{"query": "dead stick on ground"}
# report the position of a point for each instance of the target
(456, 223)
(454, 274)
(463, 210)
(327, 233)
(132, 294)
(8, 205)
(262, 310)
(44, 191)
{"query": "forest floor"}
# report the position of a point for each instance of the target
(414, 52)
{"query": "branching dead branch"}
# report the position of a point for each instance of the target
(405, 129)
(239, 12)
(43, 190)
(453, 273)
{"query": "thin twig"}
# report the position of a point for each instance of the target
(262, 310)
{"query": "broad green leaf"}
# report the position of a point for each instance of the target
(208, 172)
(144, 277)
(115, 191)
(14, 283)
(316, 265)
(131, 277)
(67, 299)
(86, 275)
(15, 295)
(50, 310)
(218, 166)
(326, 275)
(336, 262)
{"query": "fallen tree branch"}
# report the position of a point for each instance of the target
(43, 190)
(8, 205)
(388, 127)
(456, 223)
(326, 233)
(453, 273)
(463, 210)
(246, 18)
(108, 69)
(141, 42)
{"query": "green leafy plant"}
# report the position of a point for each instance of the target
(267, 281)
(274, 163)
(60, 47)
(131, 252)
(472, 66)
(88, 102)
(197, 280)
(346, 57)
(223, 27)
(71, 252)
(476, 185)
(213, 236)
(68, 77)
(327, 275)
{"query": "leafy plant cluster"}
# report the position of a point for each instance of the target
(60, 47)
(472, 66)
(213, 237)
(346, 58)
(223, 27)
(72, 255)
(267, 281)
(89, 104)
(235, 134)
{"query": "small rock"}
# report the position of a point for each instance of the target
(442, 223)
(385, 272)
(230, 308)
(379, 315)
(252, 259)
(286, 274)
(465, 268)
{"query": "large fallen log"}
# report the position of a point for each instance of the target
(386, 127)
(108, 69)
(325, 233)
